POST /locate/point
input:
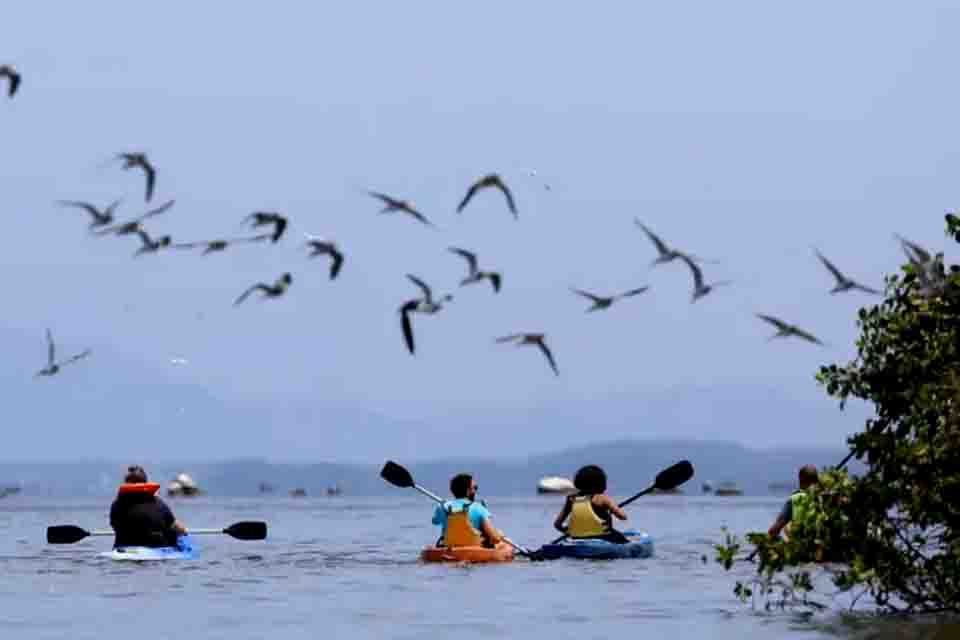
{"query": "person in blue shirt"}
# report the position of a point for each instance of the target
(462, 521)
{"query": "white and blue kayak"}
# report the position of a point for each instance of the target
(185, 550)
(639, 546)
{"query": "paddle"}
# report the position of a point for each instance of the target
(68, 533)
(669, 478)
(399, 477)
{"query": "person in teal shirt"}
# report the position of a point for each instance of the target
(464, 491)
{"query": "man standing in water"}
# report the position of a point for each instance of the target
(798, 507)
(139, 518)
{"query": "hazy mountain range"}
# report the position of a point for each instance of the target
(631, 465)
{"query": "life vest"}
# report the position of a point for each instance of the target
(148, 488)
(460, 532)
(584, 521)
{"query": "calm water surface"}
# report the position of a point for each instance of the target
(342, 567)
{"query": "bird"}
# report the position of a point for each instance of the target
(699, 288)
(101, 218)
(914, 251)
(139, 160)
(213, 246)
(602, 302)
(427, 304)
(785, 330)
(261, 218)
(392, 204)
(843, 282)
(13, 78)
(275, 290)
(134, 225)
(489, 180)
(664, 253)
(537, 339)
(474, 274)
(150, 245)
(53, 367)
(319, 247)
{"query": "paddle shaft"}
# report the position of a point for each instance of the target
(621, 505)
(110, 532)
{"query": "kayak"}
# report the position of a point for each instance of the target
(640, 546)
(503, 552)
(183, 551)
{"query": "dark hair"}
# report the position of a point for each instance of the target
(590, 480)
(460, 485)
(808, 474)
(135, 474)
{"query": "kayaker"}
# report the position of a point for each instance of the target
(590, 510)
(462, 521)
(798, 507)
(139, 517)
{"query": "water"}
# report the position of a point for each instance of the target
(347, 568)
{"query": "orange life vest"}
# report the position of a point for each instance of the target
(460, 533)
(149, 488)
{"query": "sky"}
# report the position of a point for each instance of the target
(744, 132)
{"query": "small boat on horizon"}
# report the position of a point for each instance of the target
(555, 485)
(728, 489)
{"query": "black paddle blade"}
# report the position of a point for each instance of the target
(396, 475)
(65, 534)
(247, 530)
(674, 476)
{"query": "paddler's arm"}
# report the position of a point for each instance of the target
(490, 532)
(613, 507)
(179, 527)
(562, 516)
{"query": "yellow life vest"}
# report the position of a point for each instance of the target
(584, 521)
(460, 532)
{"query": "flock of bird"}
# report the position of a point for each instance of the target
(103, 223)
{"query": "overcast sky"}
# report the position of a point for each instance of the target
(744, 132)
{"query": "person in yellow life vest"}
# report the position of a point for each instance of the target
(799, 508)
(591, 511)
(464, 522)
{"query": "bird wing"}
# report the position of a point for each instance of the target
(495, 280)
(51, 348)
(509, 338)
(157, 211)
(466, 199)
(586, 294)
(80, 356)
(633, 292)
(189, 245)
(279, 226)
(919, 252)
(151, 174)
(831, 268)
(407, 326)
(694, 269)
(243, 296)
(384, 198)
(336, 264)
(809, 337)
(509, 196)
(416, 214)
(549, 355)
(866, 289)
(777, 322)
(145, 238)
(471, 258)
(662, 248)
(86, 206)
(427, 294)
(14, 78)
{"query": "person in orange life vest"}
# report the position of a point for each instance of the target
(590, 510)
(141, 519)
(462, 521)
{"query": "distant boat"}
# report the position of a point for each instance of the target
(728, 489)
(298, 493)
(555, 485)
(676, 491)
(335, 490)
(707, 487)
(9, 491)
(265, 487)
(183, 485)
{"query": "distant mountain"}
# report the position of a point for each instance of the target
(630, 464)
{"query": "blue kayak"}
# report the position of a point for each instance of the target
(640, 546)
(183, 551)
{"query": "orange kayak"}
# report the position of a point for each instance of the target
(501, 553)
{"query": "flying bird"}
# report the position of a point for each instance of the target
(785, 330)
(275, 290)
(320, 247)
(473, 273)
(489, 180)
(537, 339)
(427, 304)
(134, 225)
(603, 302)
(664, 253)
(915, 253)
(213, 246)
(100, 217)
(150, 245)
(699, 288)
(843, 282)
(53, 367)
(139, 160)
(262, 218)
(13, 78)
(391, 204)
